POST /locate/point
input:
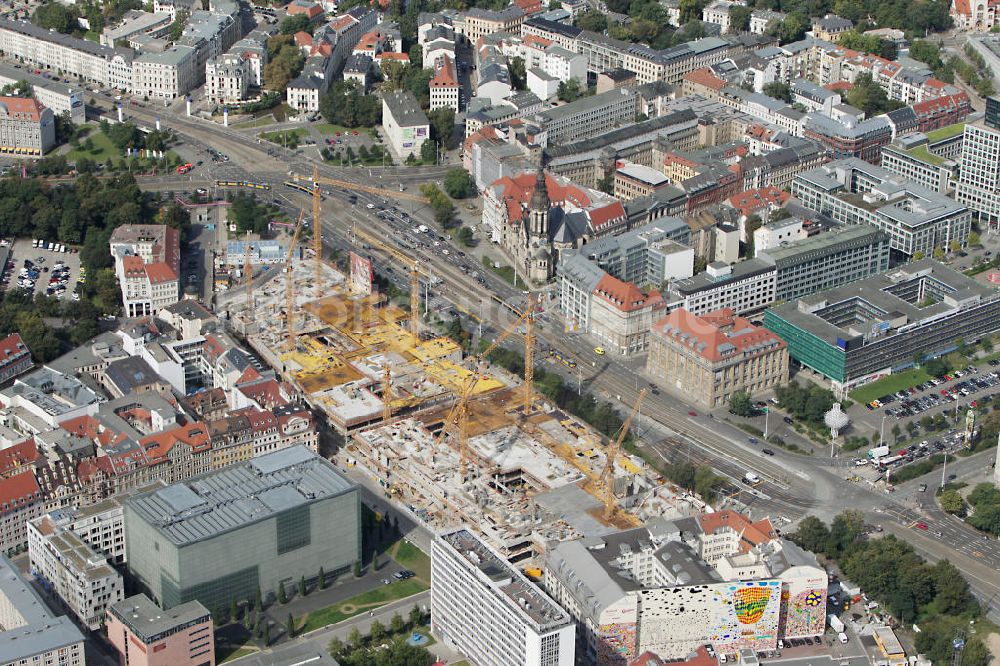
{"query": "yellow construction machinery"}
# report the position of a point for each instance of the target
(606, 481)
(347, 185)
(458, 417)
(290, 283)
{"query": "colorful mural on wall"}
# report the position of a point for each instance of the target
(616, 643)
(731, 616)
(803, 611)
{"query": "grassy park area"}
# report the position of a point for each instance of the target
(362, 603)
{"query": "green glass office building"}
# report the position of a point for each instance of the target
(224, 535)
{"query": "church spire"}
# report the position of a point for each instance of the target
(540, 197)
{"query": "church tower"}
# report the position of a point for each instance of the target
(538, 208)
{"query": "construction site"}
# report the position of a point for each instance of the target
(456, 441)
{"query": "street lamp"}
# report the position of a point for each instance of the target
(881, 431)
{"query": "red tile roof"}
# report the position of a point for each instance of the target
(392, 55)
(607, 215)
(716, 335)
(22, 108)
(753, 200)
(625, 296)
(752, 534)
(159, 273)
(18, 490)
(193, 435)
(310, 9)
(516, 192)
(705, 77)
(12, 347)
(445, 76)
(17, 456)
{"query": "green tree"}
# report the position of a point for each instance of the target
(293, 24)
(429, 151)
(303, 590)
(858, 42)
(753, 223)
(56, 16)
(290, 626)
(458, 183)
(952, 502)
(739, 18)
(177, 27)
(518, 74)
(791, 29)
(375, 563)
(705, 483)
(266, 633)
(416, 616)
(335, 647)
(592, 20)
(354, 638)
(568, 91)
(740, 404)
(258, 601)
(779, 90)
(282, 595)
(869, 96)
(356, 569)
(234, 611)
(896, 431)
(812, 534)
(691, 10)
(376, 632)
(464, 236)
(286, 62)
(845, 529)
(442, 122)
(397, 625)
(321, 579)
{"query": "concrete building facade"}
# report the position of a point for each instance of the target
(145, 635)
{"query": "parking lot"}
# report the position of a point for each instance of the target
(43, 270)
(939, 391)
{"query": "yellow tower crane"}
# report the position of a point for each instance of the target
(290, 283)
(458, 416)
(317, 227)
(414, 324)
(607, 479)
(528, 388)
(387, 392)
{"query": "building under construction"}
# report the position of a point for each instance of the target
(454, 440)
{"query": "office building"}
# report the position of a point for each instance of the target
(145, 635)
(867, 329)
(254, 525)
(744, 287)
(227, 79)
(29, 632)
(979, 175)
(166, 75)
(15, 357)
(405, 124)
(915, 157)
(672, 587)
(710, 357)
(21, 500)
(621, 315)
(484, 607)
(69, 567)
(56, 95)
(827, 260)
(26, 127)
(915, 218)
(147, 264)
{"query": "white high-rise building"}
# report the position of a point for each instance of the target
(490, 612)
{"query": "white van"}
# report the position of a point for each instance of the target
(842, 637)
(751, 478)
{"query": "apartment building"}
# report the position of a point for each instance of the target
(484, 607)
(146, 635)
(444, 86)
(147, 263)
(74, 571)
(21, 500)
(55, 51)
(31, 633)
(60, 97)
(480, 22)
(979, 176)
(710, 357)
(15, 357)
(405, 124)
(915, 218)
(866, 330)
(26, 127)
(637, 180)
(227, 79)
(827, 260)
(166, 75)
